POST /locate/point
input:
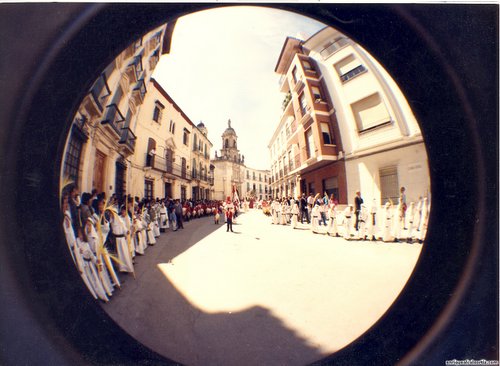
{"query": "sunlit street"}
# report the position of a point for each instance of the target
(264, 295)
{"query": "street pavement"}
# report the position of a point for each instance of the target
(263, 295)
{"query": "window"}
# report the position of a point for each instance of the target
(310, 143)
(183, 193)
(253, 175)
(307, 65)
(389, 185)
(226, 143)
(148, 189)
(325, 131)
(312, 188)
(157, 112)
(194, 168)
(185, 137)
(370, 112)
(349, 67)
(248, 175)
(260, 178)
(331, 186)
(248, 186)
(72, 158)
(183, 168)
(316, 92)
(194, 142)
(169, 157)
(303, 104)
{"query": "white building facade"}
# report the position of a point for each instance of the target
(382, 145)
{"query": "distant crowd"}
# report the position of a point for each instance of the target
(389, 223)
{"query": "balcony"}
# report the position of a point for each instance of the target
(134, 70)
(286, 101)
(334, 47)
(100, 93)
(167, 167)
(139, 92)
(153, 60)
(114, 120)
(304, 112)
(128, 140)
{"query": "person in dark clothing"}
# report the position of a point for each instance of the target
(358, 201)
(178, 214)
(303, 209)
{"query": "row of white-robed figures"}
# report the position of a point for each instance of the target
(387, 223)
(92, 258)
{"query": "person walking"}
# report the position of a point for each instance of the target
(358, 201)
(229, 214)
(303, 209)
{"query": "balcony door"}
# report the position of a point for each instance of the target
(99, 171)
(120, 179)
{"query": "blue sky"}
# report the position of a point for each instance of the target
(221, 65)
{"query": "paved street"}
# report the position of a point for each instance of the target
(264, 295)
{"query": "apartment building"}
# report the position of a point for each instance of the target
(305, 145)
(346, 125)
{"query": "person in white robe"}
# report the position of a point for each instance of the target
(149, 229)
(410, 222)
(121, 233)
(90, 268)
(163, 217)
(400, 220)
(373, 225)
(104, 231)
(74, 249)
(274, 212)
(295, 214)
(154, 220)
(315, 213)
(424, 221)
(137, 235)
(348, 212)
(96, 247)
(332, 224)
(283, 212)
(387, 235)
(363, 223)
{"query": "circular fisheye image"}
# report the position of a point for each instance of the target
(247, 186)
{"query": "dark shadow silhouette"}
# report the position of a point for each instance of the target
(155, 313)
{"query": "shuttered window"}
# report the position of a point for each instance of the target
(370, 112)
(389, 185)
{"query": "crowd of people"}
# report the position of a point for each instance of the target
(358, 221)
(104, 235)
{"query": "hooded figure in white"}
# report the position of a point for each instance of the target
(411, 220)
(363, 223)
(373, 221)
(295, 214)
(332, 225)
(424, 221)
(387, 236)
(348, 212)
(315, 218)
